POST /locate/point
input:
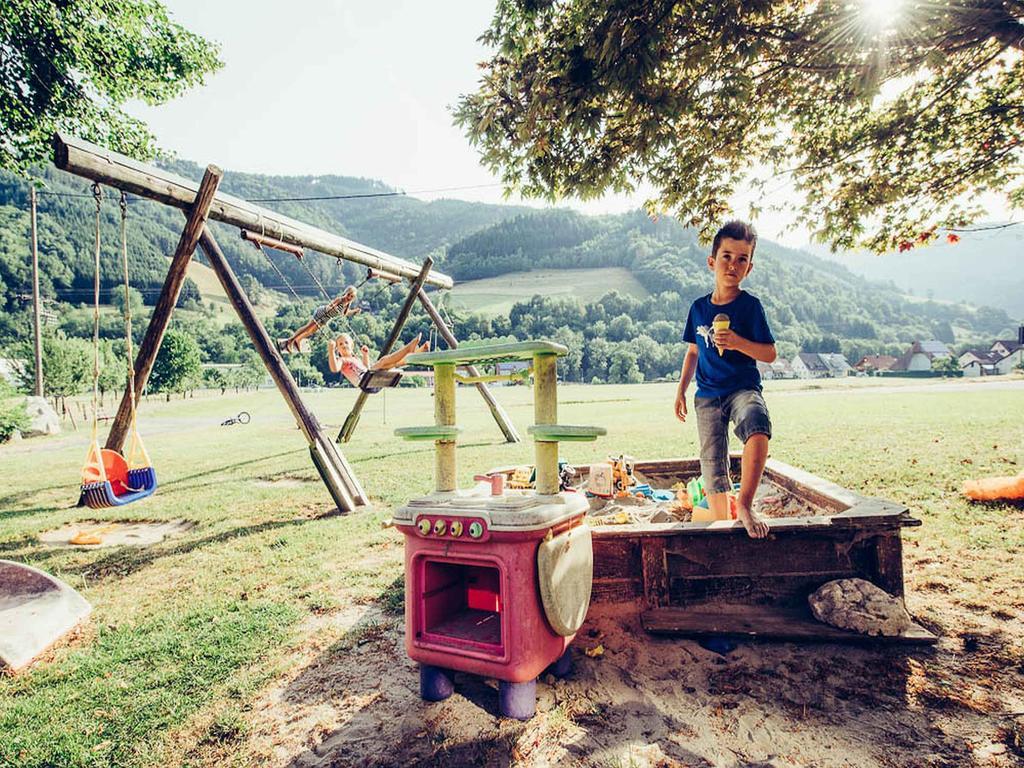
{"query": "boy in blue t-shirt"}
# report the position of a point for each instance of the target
(727, 331)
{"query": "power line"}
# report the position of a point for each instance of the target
(370, 194)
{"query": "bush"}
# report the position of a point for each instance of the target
(13, 416)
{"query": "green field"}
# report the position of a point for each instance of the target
(196, 645)
(496, 295)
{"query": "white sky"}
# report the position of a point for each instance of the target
(348, 87)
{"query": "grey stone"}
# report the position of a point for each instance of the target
(860, 606)
(43, 419)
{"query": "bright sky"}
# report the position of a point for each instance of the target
(353, 88)
(347, 87)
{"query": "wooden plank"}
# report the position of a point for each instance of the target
(888, 551)
(655, 572)
(92, 162)
(778, 589)
(764, 622)
(339, 478)
(195, 223)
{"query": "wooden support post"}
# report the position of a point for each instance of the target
(504, 423)
(349, 427)
(334, 469)
(36, 315)
(545, 411)
(444, 416)
(161, 318)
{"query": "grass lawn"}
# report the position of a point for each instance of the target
(188, 636)
(496, 295)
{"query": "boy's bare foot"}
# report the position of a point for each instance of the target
(756, 526)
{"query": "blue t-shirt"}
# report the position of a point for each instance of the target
(721, 375)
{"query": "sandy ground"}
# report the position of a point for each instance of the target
(657, 701)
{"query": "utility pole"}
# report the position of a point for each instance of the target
(35, 299)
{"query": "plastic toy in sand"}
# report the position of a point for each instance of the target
(995, 488)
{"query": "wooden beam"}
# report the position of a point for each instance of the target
(349, 427)
(161, 317)
(504, 422)
(337, 475)
(92, 162)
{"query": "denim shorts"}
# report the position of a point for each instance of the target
(747, 410)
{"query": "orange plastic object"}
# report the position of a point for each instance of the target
(114, 466)
(995, 488)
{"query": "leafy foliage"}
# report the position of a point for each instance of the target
(71, 66)
(882, 125)
(177, 366)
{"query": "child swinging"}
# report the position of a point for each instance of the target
(341, 306)
(342, 359)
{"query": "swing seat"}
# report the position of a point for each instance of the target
(373, 381)
(115, 485)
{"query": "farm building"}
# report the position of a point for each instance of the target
(921, 355)
(809, 365)
(872, 363)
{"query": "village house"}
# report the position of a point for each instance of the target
(873, 363)
(837, 365)
(1006, 347)
(809, 365)
(780, 369)
(978, 362)
(1011, 361)
(921, 355)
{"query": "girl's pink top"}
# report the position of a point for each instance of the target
(352, 368)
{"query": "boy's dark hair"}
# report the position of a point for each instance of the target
(735, 230)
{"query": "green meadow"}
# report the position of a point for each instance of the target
(186, 634)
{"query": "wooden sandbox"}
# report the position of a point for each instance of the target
(712, 579)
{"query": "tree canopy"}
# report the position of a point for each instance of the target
(72, 66)
(887, 119)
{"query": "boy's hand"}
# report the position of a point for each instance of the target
(681, 406)
(726, 338)
(364, 349)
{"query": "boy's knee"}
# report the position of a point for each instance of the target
(753, 419)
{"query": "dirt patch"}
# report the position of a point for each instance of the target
(96, 534)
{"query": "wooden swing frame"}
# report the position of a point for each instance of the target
(201, 203)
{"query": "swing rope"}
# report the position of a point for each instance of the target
(97, 194)
(136, 449)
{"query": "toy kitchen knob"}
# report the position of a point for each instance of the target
(424, 526)
(455, 528)
(440, 526)
(476, 530)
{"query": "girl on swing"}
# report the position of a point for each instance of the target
(342, 359)
(321, 316)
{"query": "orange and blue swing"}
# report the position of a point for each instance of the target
(108, 478)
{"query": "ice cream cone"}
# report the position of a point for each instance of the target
(720, 323)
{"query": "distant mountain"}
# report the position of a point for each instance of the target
(811, 302)
(984, 268)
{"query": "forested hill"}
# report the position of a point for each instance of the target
(402, 226)
(812, 303)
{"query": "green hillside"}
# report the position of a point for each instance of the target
(615, 289)
(497, 295)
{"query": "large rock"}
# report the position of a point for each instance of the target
(43, 419)
(861, 606)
